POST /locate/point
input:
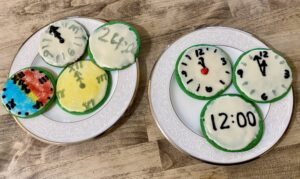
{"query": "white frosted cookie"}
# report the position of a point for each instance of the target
(232, 124)
(262, 75)
(63, 42)
(115, 45)
(203, 71)
(82, 87)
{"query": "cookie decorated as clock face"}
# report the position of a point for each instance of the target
(28, 92)
(262, 75)
(82, 87)
(63, 42)
(203, 71)
(115, 45)
(232, 124)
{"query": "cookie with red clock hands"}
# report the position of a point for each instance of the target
(203, 71)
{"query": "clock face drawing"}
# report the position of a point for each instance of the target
(63, 42)
(262, 75)
(231, 123)
(203, 71)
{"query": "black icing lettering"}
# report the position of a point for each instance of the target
(264, 97)
(286, 74)
(222, 82)
(223, 125)
(182, 63)
(240, 72)
(261, 62)
(213, 122)
(184, 73)
(224, 62)
(208, 89)
(188, 57)
(238, 117)
(189, 81)
(198, 88)
(251, 118)
(10, 104)
(201, 62)
(199, 52)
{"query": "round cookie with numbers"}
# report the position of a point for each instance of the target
(203, 71)
(114, 45)
(262, 75)
(28, 92)
(82, 87)
(63, 43)
(231, 123)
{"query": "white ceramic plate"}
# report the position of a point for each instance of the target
(178, 115)
(58, 126)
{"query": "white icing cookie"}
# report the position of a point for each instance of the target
(203, 71)
(262, 75)
(63, 42)
(82, 87)
(231, 123)
(115, 45)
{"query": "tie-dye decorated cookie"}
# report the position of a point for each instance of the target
(114, 45)
(82, 87)
(63, 42)
(28, 92)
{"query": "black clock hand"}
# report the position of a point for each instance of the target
(53, 30)
(201, 62)
(262, 66)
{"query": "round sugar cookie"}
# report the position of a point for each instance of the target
(262, 75)
(28, 92)
(63, 43)
(82, 87)
(203, 71)
(114, 45)
(231, 123)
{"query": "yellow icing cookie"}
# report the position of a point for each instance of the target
(82, 87)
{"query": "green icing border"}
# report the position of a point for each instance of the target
(49, 103)
(245, 95)
(138, 41)
(252, 144)
(181, 85)
(84, 54)
(100, 103)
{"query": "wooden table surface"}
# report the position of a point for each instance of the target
(134, 147)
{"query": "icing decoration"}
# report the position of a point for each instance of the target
(115, 45)
(231, 123)
(262, 75)
(28, 92)
(82, 87)
(63, 42)
(203, 71)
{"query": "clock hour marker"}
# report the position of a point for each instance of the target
(207, 49)
(189, 81)
(283, 86)
(227, 72)
(264, 97)
(240, 73)
(286, 74)
(198, 88)
(182, 63)
(223, 61)
(80, 45)
(274, 92)
(252, 91)
(208, 89)
(222, 82)
(187, 56)
(215, 50)
(245, 83)
(184, 73)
